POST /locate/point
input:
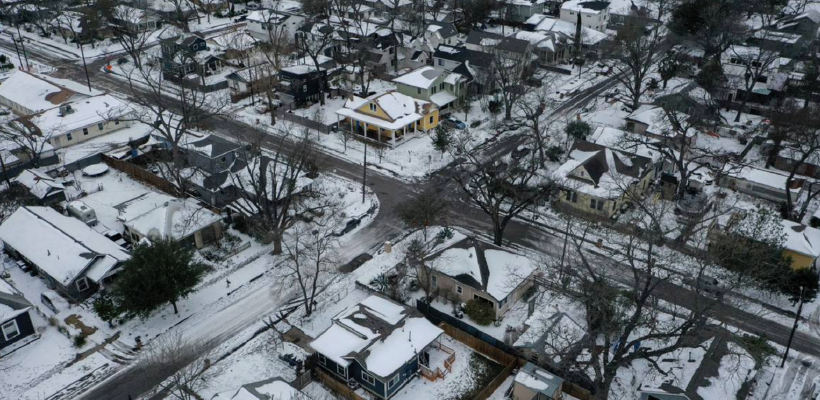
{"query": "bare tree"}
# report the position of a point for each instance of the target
(128, 33)
(177, 363)
(633, 58)
(173, 110)
(756, 65)
(275, 186)
(29, 140)
(532, 108)
(424, 209)
(313, 46)
(502, 188)
(508, 75)
(311, 260)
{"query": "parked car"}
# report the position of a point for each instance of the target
(355, 263)
(252, 6)
(349, 226)
(710, 287)
(454, 122)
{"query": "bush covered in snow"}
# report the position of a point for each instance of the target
(481, 313)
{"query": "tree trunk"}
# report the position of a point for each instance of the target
(498, 233)
(174, 303)
(277, 243)
(742, 105)
(770, 159)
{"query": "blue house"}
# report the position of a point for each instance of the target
(377, 344)
(15, 321)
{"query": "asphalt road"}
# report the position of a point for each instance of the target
(391, 192)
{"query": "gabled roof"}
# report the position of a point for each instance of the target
(482, 266)
(463, 55)
(63, 247)
(600, 171)
(587, 6)
(212, 146)
(801, 239)
(83, 113)
(422, 77)
(379, 334)
(539, 380)
(175, 219)
(493, 40)
(444, 29)
(39, 184)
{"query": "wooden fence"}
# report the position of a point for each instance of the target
(479, 345)
(495, 383)
(141, 175)
(304, 121)
(337, 387)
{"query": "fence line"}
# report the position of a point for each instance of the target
(479, 345)
(337, 387)
(304, 121)
(141, 175)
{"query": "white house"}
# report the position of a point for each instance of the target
(594, 14)
(26, 93)
(185, 220)
(77, 121)
(266, 24)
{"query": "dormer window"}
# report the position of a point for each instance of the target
(372, 107)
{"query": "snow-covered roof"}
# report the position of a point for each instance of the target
(34, 93)
(656, 120)
(379, 334)
(625, 141)
(538, 380)
(84, 113)
(482, 266)
(585, 6)
(441, 99)
(537, 39)
(39, 184)
(801, 239)
(686, 87)
(174, 219)
(600, 171)
(422, 77)
(546, 23)
(63, 247)
(12, 302)
(401, 110)
(269, 389)
(769, 178)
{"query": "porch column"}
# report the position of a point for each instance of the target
(365, 130)
(351, 125)
(379, 133)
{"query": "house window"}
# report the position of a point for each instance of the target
(82, 284)
(368, 378)
(116, 122)
(393, 382)
(68, 136)
(572, 196)
(431, 119)
(322, 359)
(100, 126)
(10, 330)
(596, 204)
(418, 90)
(341, 370)
(434, 281)
(502, 302)
(434, 90)
(440, 61)
(459, 289)
(372, 107)
(304, 88)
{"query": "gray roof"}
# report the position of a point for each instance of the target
(662, 396)
(509, 44)
(219, 146)
(447, 29)
(553, 383)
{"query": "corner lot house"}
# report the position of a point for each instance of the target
(15, 321)
(474, 270)
(597, 180)
(77, 259)
(533, 383)
(387, 117)
(378, 344)
(26, 93)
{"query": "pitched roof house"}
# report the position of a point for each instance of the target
(15, 320)
(473, 270)
(75, 259)
(46, 189)
(378, 343)
(387, 117)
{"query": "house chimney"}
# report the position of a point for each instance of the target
(578, 116)
(388, 247)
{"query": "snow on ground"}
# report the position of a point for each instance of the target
(456, 384)
(499, 393)
(735, 369)
(515, 317)
(104, 143)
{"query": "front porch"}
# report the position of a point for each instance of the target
(390, 137)
(436, 361)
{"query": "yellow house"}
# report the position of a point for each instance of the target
(596, 180)
(387, 117)
(802, 244)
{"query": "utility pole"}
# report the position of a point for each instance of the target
(85, 67)
(17, 49)
(364, 165)
(28, 67)
(564, 251)
(794, 328)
